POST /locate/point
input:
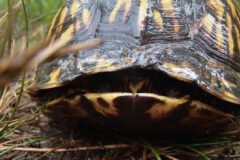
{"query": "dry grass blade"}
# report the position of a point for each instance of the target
(47, 153)
(144, 157)
(77, 47)
(8, 156)
(13, 122)
(90, 148)
(54, 51)
(17, 140)
(14, 9)
(10, 67)
(3, 97)
(47, 52)
(171, 157)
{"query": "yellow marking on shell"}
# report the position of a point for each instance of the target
(69, 31)
(237, 37)
(198, 111)
(115, 10)
(127, 9)
(101, 63)
(224, 95)
(86, 15)
(213, 82)
(62, 19)
(142, 14)
(60, 23)
(78, 25)
(111, 110)
(158, 19)
(120, 3)
(182, 65)
(74, 104)
(176, 26)
(136, 87)
(227, 83)
(167, 6)
(230, 37)
(183, 69)
(219, 36)
(218, 8)
(208, 22)
(53, 23)
(74, 8)
(200, 106)
(54, 76)
(163, 108)
(234, 12)
(229, 95)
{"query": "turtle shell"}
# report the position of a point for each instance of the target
(193, 41)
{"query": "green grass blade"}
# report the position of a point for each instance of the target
(23, 77)
(1, 93)
(21, 123)
(16, 105)
(213, 143)
(9, 26)
(5, 115)
(26, 22)
(37, 19)
(152, 150)
(198, 152)
(192, 149)
(6, 151)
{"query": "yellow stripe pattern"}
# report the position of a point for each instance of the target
(158, 19)
(142, 13)
(120, 3)
(230, 38)
(215, 22)
(167, 6)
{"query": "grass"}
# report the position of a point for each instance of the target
(35, 9)
(39, 13)
(21, 126)
(17, 33)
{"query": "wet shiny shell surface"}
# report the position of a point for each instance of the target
(193, 41)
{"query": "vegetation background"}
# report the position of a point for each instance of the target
(39, 12)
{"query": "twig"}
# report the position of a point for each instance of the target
(45, 154)
(171, 157)
(90, 148)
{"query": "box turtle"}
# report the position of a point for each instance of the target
(165, 67)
